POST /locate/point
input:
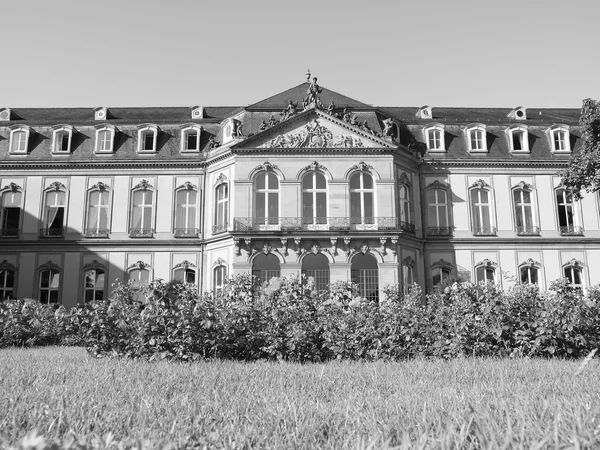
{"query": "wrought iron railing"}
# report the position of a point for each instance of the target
(9, 232)
(439, 231)
(141, 232)
(245, 224)
(571, 230)
(485, 231)
(528, 231)
(186, 232)
(220, 228)
(52, 232)
(96, 232)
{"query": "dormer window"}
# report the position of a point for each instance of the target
(147, 135)
(559, 137)
(19, 139)
(518, 139)
(476, 137)
(61, 139)
(434, 136)
(425, 112)
(190, 138)
(105, 138)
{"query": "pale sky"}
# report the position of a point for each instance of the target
(81, 53)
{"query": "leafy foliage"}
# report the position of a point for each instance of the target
(583, 172)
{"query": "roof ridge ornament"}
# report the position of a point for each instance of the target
(312, 99)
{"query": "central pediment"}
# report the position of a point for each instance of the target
(315, 129)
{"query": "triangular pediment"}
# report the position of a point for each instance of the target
(314, 129)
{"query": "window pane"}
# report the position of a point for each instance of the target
(273, 204)
(307, 202)
(368, 204)
(355, 181)
(321, 183)
(307, 181)
(260, 205)
(273, 182)
(321, 204)
(260, 180)
(367, 181)
(355, 206)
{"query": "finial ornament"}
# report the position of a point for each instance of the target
(308, 75)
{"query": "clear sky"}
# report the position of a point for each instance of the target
(229, 52)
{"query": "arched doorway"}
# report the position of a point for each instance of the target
(265, 267)
(316, 266)
(365, 274)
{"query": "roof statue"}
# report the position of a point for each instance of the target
(312, 95)
(388, 129)
(289, 111)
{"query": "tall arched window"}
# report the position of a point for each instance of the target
(138, 274)
(441, 271)
(481, 210)
(10, 214)
(316, 265)
(365, 273)
(485, 271)
(404, 206)
(221, 208)
(219, 277)
(142, 206)
(362, 201)
(98, 207)
(529, 272)
(54, 211)
(186, 217)
(524, 213)
(437, 212)
(266, 200)
(7, 280)
(94, 287)
(408, 274)
(185, 272)
(573, 272)
(314, 201)
(49, 283)
(265, 267)
(568, 217)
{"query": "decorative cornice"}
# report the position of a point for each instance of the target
(185, 264)
(101, 186)
(94, 265)
(144, 185)
(523, 185)
(481, 184)
(266, 166)
(187, 186)
(438, 185)
(314, 166)
(361, 166)
(5, 265)
(403, 179)
(56, 185)
(442, 263)
(13, 187)
(222, 178)
(486, 263)
(408, 261)
(141, 265)
(574, 262)
(49, 265)
(530, 262)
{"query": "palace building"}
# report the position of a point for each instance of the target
(306, 181)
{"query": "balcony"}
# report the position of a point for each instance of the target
(141, 232)
(439, 231)
(96, 232)
(185, 232)
(220, 228)
(55, 233)
(245, 224)
(571, 230)
(9, 233)
(528, 231)
(485, 231)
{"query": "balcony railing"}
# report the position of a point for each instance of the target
(96, 232)
(52, 232)
(528, 231)
(439, 231)
(321, 224)
(571, 230)
(185, 232)
(9, 232)
(141, 232)
(220, 228)
(485, 231)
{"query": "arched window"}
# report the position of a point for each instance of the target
(573, 272)
(265, 267)
(221, 208)
(476, 138)
(314, 201)
(434, 137)
(49, 283)
(7, 280)
(186, 207)
(94, 287)
(440, 271)
(190, 138)
(529, 272)
(316, 265)
(485, 271)
(105, 136)
(19, 139)
(185, 272)
(54, 211)
(437, 211)
(98, 207)
(559, 138)
(147, 138)
(10, 214)
(404, 206)
(567, 211)
(362, 202)
(138, 274)
(266, 200)
(481, 209)
(523, 202)
(219, 277)
(365, 273)
(62, 136)
(142, 208)
(408, 274)
(518, 138)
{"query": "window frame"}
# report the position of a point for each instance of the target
(62, 130)
(109, 128)
(185, 130)
(219, 269)
(363, 221)
(314, 222)
(510, 132)
(267, 222)
(525, 230)
(441, 148)
(530, 265)
(407, 271)
(405, 204)
(576, 228)
(99, 232)
(50, 267)
(574, 265)
(221, 221)
(552, 135)
(13, 188)
(443, 267)
(142, 186)
(478, 187)
(96, 266)
(6, 267)
(186, 231)
(143, 130)
(438, 229)
(488, 267)
(186, 267)
(13, 131)
(54, 187)
(477, 128)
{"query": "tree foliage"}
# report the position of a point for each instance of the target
(583, 172)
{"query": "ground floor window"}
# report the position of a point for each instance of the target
(317, 267)
(94, 285)
(265, 267)
(7, 283)
(365, 273)
(49, 286)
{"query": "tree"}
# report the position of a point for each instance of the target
(583, 172)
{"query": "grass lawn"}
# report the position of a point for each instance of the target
(71, 398)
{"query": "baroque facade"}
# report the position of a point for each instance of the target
(307, 181)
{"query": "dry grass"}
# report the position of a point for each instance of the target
(72, 399)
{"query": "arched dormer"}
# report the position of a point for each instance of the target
(559, 138)
(433, 135)
(518, 138)
(105, 138)
(476, 136)
(190, 136)
(147, 138)
(19, 139)
(62, 137)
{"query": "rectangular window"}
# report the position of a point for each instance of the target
(147, 141)
(191, 140)
(435, 139)
(477, 140)
(560, 141)
(62, 142)
(517, 140)
(19, 142)
(105, 141)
